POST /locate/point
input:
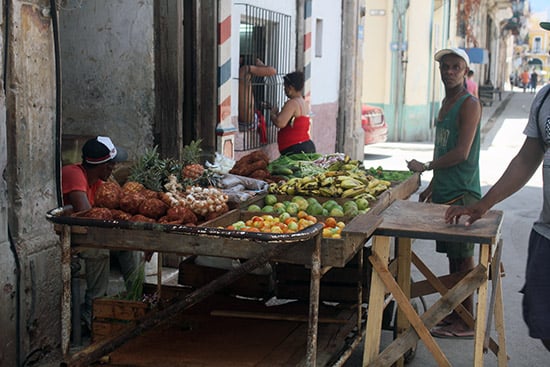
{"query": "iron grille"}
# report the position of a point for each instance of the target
(266, 35)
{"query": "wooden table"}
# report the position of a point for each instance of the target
(305, 248)
(406, 220)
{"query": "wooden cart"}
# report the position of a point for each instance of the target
(306, 248)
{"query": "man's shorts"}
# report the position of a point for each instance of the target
(536, 291)
(458, 250)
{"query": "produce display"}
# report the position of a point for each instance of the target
(312, 206)
(394, 176)
(285, 223)
(303, 188)
(163, 191)
(334, 176)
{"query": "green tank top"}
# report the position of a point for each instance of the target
(453, 182)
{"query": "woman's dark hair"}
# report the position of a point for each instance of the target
(295, 79)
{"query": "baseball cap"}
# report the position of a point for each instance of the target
(545, 25)
(452, 51)
(101, 149)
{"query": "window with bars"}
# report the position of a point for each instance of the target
(264, 35)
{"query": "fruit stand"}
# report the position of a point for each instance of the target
(307, 219)
(306, 248)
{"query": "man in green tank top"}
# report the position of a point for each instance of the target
(455, 168)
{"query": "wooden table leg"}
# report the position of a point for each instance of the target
(432, 316)
(360, 277)
(495, 282)
(65, 238)
(481, 309)
(373, 332)
(502, 356)
(409, 312)
(440, 287)
(403, 254)
(314, 289)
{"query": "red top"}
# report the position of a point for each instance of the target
(295, 134)
(73, 178)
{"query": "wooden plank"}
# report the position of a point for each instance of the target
(430, 318)
(362, 224)
(334, 253)
(427, 221)
(380, 248)
(502, 356)
(425, 287)
(403, 250)
(494, 270)
(274, 316)
(442, 289)
(408, 310)
(481, 309)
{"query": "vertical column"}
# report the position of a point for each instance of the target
(307, 51)
(225, 131)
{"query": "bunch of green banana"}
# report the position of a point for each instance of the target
(345, 184)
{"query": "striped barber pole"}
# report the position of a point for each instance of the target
(225, 129)
(307, 50)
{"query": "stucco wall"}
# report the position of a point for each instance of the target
(325, 73)
(107, 52)
(30, 183)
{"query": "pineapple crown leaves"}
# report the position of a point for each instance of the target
(152, 171)
(191, 153)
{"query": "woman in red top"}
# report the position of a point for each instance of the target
(293, 119)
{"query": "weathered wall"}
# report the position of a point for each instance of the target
(30, 183)
(8, 280)
(107, 53)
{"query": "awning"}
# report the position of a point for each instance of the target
(535, 62)
(478, 55)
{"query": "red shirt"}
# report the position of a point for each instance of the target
(296, 134)
(73, 178)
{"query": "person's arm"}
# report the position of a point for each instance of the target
(519, 171)
(260, 69)
(282, 118)
(79, 201)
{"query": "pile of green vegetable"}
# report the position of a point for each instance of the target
(394, 176)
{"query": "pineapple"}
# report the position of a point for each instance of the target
(192, 169)
(152, 171)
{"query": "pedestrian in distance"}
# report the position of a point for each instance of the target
(455, 168)
(525, 78)
(534, 151)
(471, 85)
(534, 81)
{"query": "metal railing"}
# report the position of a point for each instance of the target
(266, 35)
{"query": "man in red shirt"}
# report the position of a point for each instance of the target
(79, 183)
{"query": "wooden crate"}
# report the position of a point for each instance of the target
(110, 316)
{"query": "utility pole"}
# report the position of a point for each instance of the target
(349, 133)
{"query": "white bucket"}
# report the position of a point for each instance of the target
(151, 266)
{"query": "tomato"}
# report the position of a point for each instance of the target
(330, 222)
(302, 214)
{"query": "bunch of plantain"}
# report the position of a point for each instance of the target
(353, 184)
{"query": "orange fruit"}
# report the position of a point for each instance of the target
(330, 222)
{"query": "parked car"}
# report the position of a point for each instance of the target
(374, 124)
